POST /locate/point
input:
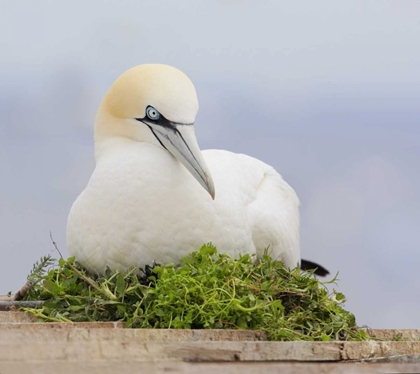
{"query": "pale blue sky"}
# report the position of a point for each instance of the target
(327, 92)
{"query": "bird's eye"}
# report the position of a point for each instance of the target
(152, 113)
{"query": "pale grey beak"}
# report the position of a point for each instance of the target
(180, 140)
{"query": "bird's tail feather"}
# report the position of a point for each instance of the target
(309, 265)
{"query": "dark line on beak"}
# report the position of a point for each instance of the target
(171, 126)
(156, 137)
(192, 154)
(186, 144)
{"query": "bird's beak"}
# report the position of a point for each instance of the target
(180, 140)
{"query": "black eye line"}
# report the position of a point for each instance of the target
(161, 121)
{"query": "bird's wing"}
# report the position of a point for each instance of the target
(275, 216)
(255, 189)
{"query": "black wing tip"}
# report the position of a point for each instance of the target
(318, 269)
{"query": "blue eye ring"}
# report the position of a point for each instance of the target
(152, 113)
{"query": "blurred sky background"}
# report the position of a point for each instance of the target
(328, 92)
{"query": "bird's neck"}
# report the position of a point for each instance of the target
(115, 133)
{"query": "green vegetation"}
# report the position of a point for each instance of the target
(207, 291)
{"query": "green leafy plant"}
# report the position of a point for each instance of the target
(208, 290)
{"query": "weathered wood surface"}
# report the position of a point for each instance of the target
(106, 367)
(392, 334)
(15, 319)
(210, 351)
(24, 341)
(63, 332)
(55, 342)
(22, 321)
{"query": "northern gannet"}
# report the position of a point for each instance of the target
(143, 202)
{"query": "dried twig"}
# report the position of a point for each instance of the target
(80, 274)
(18, 295)
(23, 291)
(85, 278)
(55, 245)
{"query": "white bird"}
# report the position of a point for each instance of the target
(143, 202)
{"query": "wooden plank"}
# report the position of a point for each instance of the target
(95, 346)
(112, 367)
(16, 317)
(109, 341)
(18, 320)
(378, 349)
(22, 339)
(167, 334)
(392, 334)
(399, 359)
(162, 351)
(39, 326)
(41, 333)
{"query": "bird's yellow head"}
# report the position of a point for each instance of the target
(156, 104)
(163, 87)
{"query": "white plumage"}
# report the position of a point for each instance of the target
(143, 202)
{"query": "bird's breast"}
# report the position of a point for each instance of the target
(142, 205)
